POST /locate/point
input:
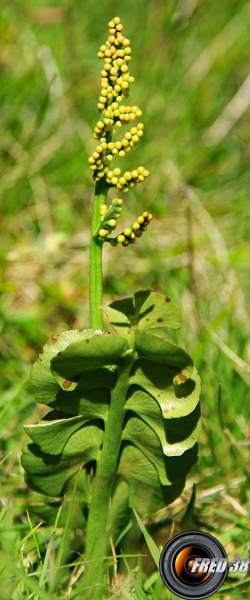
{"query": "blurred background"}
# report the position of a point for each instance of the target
(190, 59)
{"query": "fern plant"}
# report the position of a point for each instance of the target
(123, 400)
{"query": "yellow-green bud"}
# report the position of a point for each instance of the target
(103, 233)
(117, 171)
(127, 231)
(136, 226)
(120, 239)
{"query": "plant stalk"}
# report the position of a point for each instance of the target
(97, 535)
(95, 264)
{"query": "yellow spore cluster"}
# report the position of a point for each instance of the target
(129, 234)
(115, 82)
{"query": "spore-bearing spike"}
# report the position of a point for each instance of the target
(115, 83)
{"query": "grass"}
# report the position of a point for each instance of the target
(190, 60)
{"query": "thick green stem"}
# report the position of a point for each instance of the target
(97, 534)
(95, 265)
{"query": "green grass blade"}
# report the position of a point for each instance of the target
(35, 540)
(31, 585)
(31, 533)
(140, 594)
(154, 551)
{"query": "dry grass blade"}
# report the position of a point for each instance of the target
(230, 115)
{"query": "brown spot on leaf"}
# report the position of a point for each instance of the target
(87, 341)
(147, 319)
(40, 352)
(181, 376)
(159, 320)
(53, 339)
(167, 299)
(66, 384)
(158, 395)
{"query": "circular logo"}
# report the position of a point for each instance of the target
(193, 565)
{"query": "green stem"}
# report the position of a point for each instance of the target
(97, 535)
(95, 265)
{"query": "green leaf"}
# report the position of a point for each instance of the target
(42, 381)
(119, 509)
(156, 311)
(95, 350)
(146, 494)
(50, 474)
(155, 389)
(92, 404)
(159, 381)
(116, 316)
(151, 442)
(161, 351)
(52, 435)
(146, 310)
(146, 440)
